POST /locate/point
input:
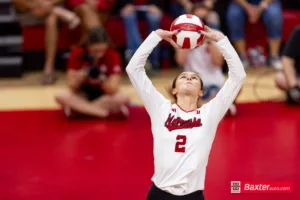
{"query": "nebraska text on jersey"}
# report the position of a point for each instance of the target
(173, 123)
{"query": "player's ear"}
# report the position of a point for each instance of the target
(200, 93)
(174, 91)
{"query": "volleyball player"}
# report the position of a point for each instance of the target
(183, 133)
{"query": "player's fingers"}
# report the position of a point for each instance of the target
(206, 40)
(206, 34)
(207, 29)
(173, 32)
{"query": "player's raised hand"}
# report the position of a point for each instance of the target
(212, 35)
(167, 35)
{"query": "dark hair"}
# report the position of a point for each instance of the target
(175, 80)
(97, 35)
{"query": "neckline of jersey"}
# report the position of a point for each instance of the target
(185, 110)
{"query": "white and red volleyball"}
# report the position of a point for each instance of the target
(190, 26)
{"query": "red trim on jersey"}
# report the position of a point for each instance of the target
(187, 27)
(185, 110)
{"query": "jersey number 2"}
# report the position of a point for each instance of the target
(180, 144)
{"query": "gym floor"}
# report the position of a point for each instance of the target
(45, 156)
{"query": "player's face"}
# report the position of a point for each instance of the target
(97, 50)
(188, 82)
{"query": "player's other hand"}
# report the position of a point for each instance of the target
(212, 35)
(167, 35)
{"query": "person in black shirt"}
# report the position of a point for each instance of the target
(289, 79)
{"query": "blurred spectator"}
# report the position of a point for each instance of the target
(93, 79)
(204, 10)
(86, 10)
(289, 79)
(271, 13)
(42, 11)
(153, 14)
(102, 8)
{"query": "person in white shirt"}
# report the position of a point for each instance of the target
(183, 133)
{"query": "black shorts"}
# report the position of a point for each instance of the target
(157, 194)
(92, 92)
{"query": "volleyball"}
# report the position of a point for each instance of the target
(190, 26)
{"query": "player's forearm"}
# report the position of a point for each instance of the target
(232, 86)
(151, 98)
(216, 56)
(181, 56)
(138, 60)
(236, 68)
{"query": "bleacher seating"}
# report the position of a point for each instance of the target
(10, 42)
(33, 37)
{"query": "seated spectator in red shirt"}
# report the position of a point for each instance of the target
(93, 79)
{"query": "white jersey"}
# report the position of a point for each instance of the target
(182, 140)
(200, 61)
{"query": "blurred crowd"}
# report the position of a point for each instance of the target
(94, 68)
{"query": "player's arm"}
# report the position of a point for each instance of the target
(216, 55)
(236, 76)
(151, 98)
(181, 56)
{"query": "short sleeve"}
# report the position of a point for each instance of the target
(75, 59)
(115, 64)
